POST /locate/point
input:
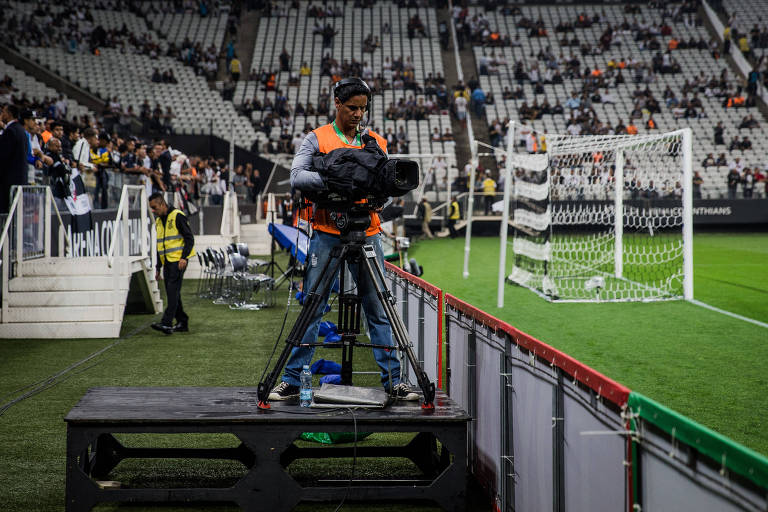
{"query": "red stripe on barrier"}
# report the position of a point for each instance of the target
(471, 311)
(427, 287)
(605, 387)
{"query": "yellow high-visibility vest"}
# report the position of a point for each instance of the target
(170, 243)
(489, 187)
(455, 214)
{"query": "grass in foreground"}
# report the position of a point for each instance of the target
(705, 365)
(225, 348)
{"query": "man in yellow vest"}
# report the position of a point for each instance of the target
(351, 97)
(175, 245)
(489, 192)
(454, 216)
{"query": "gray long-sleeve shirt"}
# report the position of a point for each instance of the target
(302, 175)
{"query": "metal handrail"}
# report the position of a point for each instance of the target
(11, 212)
(14, 207)
(61, 222)
(118, 217)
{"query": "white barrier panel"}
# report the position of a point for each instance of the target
(683, 466)
(531, 422)
(547, 431)
(488, 406)
(594, 440)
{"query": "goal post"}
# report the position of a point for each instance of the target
(609, 219)
(525, 162)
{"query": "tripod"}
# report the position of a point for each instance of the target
(353, 249)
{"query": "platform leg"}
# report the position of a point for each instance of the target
(80, 489)
(106, 456)
(267, 487)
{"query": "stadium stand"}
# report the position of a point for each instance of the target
(129, 77)
(177, 27)
(132, 58)
(658, 52)
(746, 17)
(23, 88)
(299, 34)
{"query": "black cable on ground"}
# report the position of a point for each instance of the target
(56, 378)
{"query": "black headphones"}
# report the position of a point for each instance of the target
(356, 81)
(351, 81)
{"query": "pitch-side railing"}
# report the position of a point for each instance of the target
(26, 232)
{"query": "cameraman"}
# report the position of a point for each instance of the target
(351, 97)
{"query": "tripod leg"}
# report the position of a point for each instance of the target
(399, 331)
(313, 302)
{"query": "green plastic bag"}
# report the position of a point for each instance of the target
(333, 437)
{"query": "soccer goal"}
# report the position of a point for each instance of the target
(608, 219)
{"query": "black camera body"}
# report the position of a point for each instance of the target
(351, 175)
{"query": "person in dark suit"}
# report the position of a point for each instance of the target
(13, 154)
(162, 162)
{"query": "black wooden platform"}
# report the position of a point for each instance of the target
(266, 447)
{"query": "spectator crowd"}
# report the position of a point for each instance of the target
(52, 151)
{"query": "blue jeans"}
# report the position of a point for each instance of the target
(378, 325)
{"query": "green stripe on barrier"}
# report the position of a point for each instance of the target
(734, 456)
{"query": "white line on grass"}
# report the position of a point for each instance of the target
(728, 313)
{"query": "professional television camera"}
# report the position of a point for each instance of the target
(351, 174)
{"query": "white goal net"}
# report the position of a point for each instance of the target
(580, 237)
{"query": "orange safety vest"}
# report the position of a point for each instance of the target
(651, 124)
(328, 140)
(632, 129)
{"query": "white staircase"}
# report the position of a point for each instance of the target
(45, 296)
(74, 297)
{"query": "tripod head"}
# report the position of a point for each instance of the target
(352, 222)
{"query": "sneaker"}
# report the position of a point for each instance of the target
(284, 391)
(402, 391)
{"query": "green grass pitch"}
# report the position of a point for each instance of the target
(707, 366)
(703, 364)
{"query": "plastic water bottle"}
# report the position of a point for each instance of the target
(305, 393)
